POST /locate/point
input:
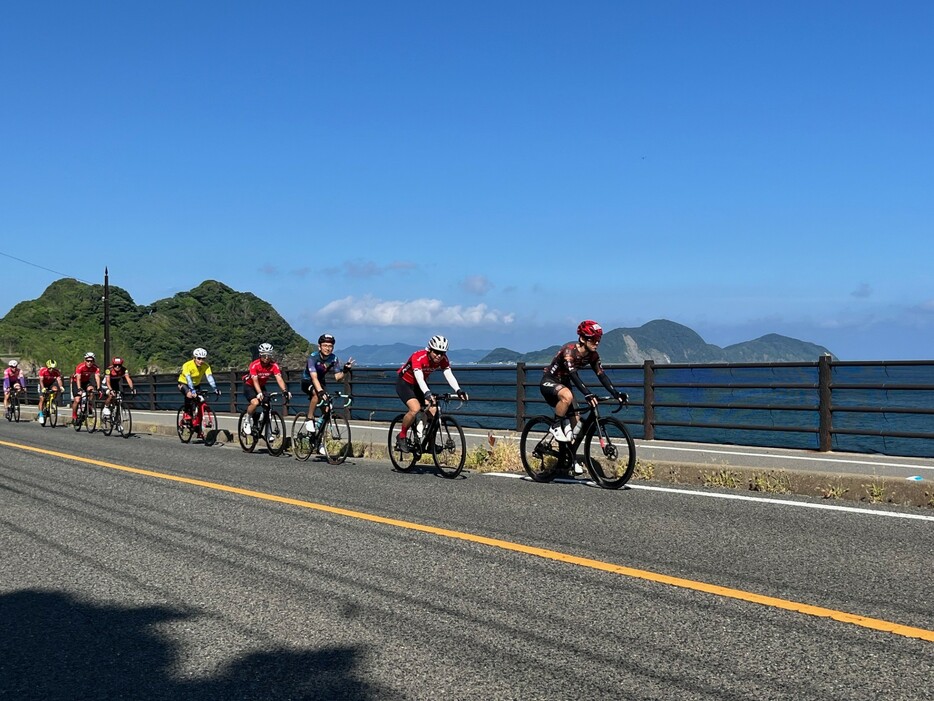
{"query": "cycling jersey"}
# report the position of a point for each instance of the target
(192, 374)
(49, 377)
(321, 365)
(12, 376)
(261, 372)
(84, 372)
(115, 371)
(568, 360)
(421, 360)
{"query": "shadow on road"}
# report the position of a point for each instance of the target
(53, 646)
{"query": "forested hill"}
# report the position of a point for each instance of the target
(668, 342)
(66, 321)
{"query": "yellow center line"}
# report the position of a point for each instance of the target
(750, 597)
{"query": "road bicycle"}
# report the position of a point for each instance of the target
(50, 409)
(267, 424)
(13, 411)
(202, 424)
(120, 417)
(86, 416)
(331, 437)
(609, 451)
(440, 435)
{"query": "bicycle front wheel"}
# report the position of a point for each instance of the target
(335, 436)
(124, 421)
(540, 451)
(248, 439)
(51, 414)
(302, 439)
(401, 460)
(14, 409)
(610, 454)
(449, 449)
(182, 426)
(275, 433)
(90, 418)
(208, 425)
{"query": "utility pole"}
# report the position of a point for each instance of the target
(106, 359)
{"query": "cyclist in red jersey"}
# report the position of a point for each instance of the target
(81, 381)
(563, 371)
(254, 382)
(412, 383)
(114, 376)
(49, 376)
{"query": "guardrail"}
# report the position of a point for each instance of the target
(880, 406)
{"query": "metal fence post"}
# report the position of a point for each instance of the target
(824, 378)
(152, 391)
(648, 401)
(520, 396)
(233, 392)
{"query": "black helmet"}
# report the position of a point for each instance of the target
(325, 338)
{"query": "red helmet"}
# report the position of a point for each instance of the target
(590, 329)
(118, 361)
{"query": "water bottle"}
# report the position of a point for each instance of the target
(577, 429)
(319, 423)
(420, 429)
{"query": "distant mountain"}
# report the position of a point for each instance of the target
(397, 353)
(668, 342)
(66, 321)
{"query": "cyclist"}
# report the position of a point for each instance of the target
(412, 383)
(114, 376)
(49, 376)
(189, 382)
(254, 382)
(81, 381)
(318, 364)
(564, 369)
(13, 381)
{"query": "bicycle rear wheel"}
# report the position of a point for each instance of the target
(610, 460)
(275, 433)
(303, 441)
(335, 436)
(247, 440)
(183, 426)
(448, 448)
(108, 422)
(540, 451)
(401, 461)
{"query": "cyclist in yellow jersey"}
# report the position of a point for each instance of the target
(189, 379)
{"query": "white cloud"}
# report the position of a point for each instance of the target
(476, 284)
(369, 311)
(362, 269)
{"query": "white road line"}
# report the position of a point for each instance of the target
(743, 497)
(842, 461)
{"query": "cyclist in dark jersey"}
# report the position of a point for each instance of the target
(556, 380)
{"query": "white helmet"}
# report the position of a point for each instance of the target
(200, 353)
(438, 343)
(265, 349)
(13, 363)
(89, 356)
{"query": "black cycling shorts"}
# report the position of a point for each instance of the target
(550, 388)
(407, 391)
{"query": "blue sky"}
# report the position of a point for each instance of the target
(492, 171)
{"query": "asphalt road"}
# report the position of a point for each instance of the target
(148, 569)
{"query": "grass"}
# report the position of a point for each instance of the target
(833, 491)
(644, 470)
(875, 492)
(722, 478)
(771, 482)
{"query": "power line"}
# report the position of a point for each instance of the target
(48, 270)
